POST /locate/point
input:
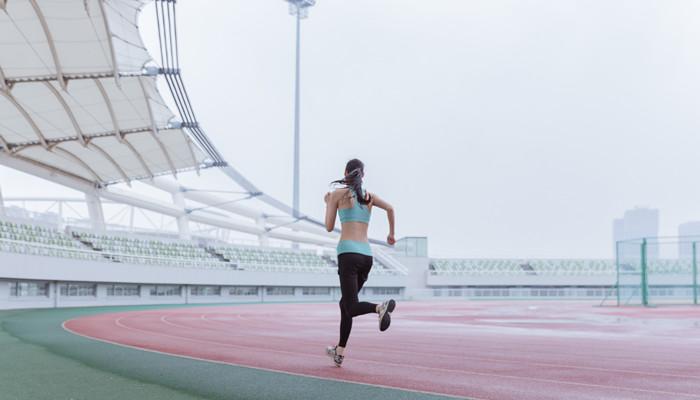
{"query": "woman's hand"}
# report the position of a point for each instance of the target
(390, 239)
(326, 197)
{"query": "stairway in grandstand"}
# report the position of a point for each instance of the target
(528, 269)
(216, 254)
(87, 243)
(330, 260)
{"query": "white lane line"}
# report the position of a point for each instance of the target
(404, 366)
(66, 328)
(494, 360)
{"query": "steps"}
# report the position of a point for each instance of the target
(219, 256)
(90, 245)
(330, 260)
(528, 269)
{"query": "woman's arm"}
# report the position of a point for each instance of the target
(331, 208)
(376, 201)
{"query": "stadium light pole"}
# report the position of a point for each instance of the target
(300, 10)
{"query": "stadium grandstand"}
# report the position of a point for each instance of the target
(89, 115)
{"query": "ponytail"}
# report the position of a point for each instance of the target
(354, 171)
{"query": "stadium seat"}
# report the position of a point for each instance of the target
(42, 241)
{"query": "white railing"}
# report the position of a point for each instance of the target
(496, 272)
(544, 293)
(389, 261)
(42, 249)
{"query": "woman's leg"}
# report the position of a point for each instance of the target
(385, 309)
(349, 264)
(345, 317)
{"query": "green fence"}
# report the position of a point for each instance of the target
(658, 270)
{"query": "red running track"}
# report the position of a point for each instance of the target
(479, 350)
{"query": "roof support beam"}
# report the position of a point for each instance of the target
(71, 77)
(97, 215)
(69, 112)
(140, 158)
(52, 44)
(110, 108)
(112, 161)
(120, 196)
(98, 180)
(44, 171)
(189, 147)
(154, 131)
(3, 80)
(88, 138)
(8, 95)
(5, 145)
(117, 130)
(110, 41)
(114, 194)
(225, 203)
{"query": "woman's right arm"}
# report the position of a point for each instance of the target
(376, 201)
(331, 209)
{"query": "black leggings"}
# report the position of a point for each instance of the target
(353, 269)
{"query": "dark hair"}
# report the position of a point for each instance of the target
(354, 171)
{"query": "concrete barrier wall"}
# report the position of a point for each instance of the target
(60, 271)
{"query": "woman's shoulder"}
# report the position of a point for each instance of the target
(341, 191)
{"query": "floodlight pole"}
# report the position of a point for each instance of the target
(300, 10)
(295, 201)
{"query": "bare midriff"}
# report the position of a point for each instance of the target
(352, 230)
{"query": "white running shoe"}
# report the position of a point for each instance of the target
(385, 310)
(337, 358)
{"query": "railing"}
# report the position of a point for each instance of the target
(41, 249)
(389, 261)
(520, 272)
(495, 293)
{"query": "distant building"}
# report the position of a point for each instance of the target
(685, 247)
(637, 223)
(618, 231)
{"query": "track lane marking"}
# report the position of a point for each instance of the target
(145, 349)
(444, 370)
(602, 356)
(496, 360)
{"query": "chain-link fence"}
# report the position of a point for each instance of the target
(659, 270)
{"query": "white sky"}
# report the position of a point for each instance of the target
(496, 128)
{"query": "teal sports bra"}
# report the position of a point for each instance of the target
(357, 213)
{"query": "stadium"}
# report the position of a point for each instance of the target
(138, 261)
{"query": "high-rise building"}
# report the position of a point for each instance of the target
(618, 232)
(637, 223)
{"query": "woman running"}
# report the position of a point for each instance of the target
(354, 206)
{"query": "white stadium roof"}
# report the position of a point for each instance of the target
(79, 106)
(77, 98)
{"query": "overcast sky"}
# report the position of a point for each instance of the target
(496, 128)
